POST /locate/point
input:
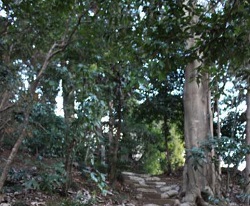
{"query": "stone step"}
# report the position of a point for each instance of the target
(152, 190)
(162, 202)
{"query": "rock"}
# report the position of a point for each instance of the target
(146, 190)
(38, 203)
(185, 204)
(192, 204)
(233, 204)
(170, 202)
(143, 175)
(166, 188)
(172, 193)
(139, 196)
(139, 180)
(153, 179)
(151, 190)
(164, 195)
(157, 184)
(83, 196)
(128, 174)
(138, 185)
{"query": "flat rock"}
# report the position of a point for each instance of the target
(157, 184)
(152, 190)
(153, 179)
(146, 190)
(165, 188)
(172, 193)
(128, 174)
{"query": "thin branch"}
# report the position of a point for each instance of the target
(40, 126)
(55, 49)
(6, 122)
(6, 108)
(75, 28)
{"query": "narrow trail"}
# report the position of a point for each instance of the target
(153, 190)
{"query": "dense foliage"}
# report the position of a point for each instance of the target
(119, 66)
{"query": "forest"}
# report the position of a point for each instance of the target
(91, 90)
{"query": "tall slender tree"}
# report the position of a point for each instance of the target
(58, 40)
(247, 170)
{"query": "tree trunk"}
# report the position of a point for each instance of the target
(68, 107)
(115, 150)
(111, 138)
(14, 150)
(116, 138)
(196, 131)
(197, 174)
(218, 164)
(247, 170)
(212, 177)
(168, 155)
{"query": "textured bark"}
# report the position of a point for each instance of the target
(111, 137)
(116, 138)
(68, 107)
(247, 170)
(196, 130)
(168, 155)
(217, 188)
(212, 177)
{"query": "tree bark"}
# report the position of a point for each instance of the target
(196, 130)
(116, 138)
(111, 137)
(168, 155)
(247, 170)
(197, 174)
(218, 132)
(68, 107)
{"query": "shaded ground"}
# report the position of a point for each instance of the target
(20, 188)
(27, 171)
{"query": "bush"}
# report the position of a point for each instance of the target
(50, 179)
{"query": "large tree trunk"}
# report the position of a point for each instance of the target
(196, 132)
(198, 170)
(247, 170)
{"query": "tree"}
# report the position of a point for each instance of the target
(196, 131)
(197, 124)
(162, 103)
(248, 143)
(57, 44)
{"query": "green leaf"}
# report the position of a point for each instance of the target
(93, 177)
